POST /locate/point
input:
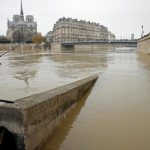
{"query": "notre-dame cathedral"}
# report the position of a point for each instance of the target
(21, 29)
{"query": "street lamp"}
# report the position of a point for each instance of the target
(142, 34)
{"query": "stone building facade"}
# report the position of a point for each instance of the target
(111, 36)
(68, 29)
(49, 38)
(21, 28)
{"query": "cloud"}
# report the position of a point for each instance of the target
(122, 17)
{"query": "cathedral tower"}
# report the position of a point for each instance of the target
(21, 29)
(21, 12)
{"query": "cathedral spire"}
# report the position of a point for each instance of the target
(21, 11)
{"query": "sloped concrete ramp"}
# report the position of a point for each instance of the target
(27, 123)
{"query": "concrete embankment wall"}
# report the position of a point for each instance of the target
(90, 47)
(58, 47)
(20, 47)
(31, 120)
(144, 44)
(100, 46)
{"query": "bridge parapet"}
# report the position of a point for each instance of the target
(100, 42)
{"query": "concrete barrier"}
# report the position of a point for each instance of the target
(143, 45)
(27, 123)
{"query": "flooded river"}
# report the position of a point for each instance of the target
(115, 115)
(23, 73)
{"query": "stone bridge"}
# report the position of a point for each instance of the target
(91, 45)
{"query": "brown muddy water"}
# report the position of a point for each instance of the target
(23, 73)
(115, 115)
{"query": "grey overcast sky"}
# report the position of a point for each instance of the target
(122, 17)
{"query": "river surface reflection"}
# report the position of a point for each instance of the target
(24, 73)
(113, 116)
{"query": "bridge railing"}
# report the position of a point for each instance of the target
(99, 41)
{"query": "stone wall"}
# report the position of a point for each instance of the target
(56, 47)
(32, 120)
(4, 47)
(90, 47)
(144, 44)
